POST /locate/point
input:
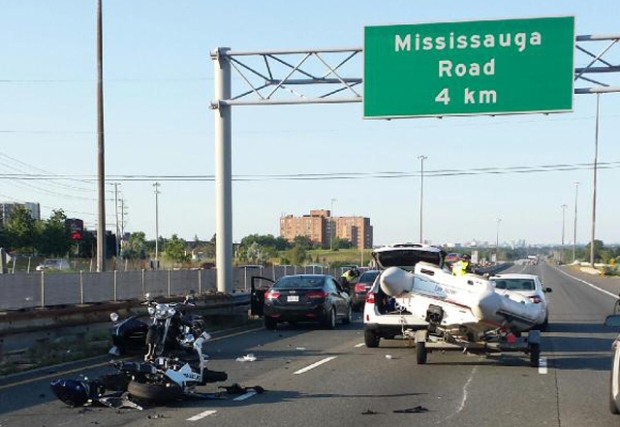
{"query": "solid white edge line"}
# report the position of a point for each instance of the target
(542, 366)
(201, 415)
(586, 283)
(245, 396)
(314, 365)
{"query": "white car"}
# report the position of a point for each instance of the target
(382, 317)
(526, 285)
(53, 264)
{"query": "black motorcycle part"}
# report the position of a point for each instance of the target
(209, 376)
(155, 392)
(129, 335)
(75, 392)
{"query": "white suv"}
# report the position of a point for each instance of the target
(382, 318)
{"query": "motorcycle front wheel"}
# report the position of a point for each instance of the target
(155, 392)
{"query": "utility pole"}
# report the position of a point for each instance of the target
(575, 223)
(156, 185)
(101, 251)
(421, 158)
(118, 251)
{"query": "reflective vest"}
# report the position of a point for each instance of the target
(460, 268)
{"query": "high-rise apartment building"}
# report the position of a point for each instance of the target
(321, 228)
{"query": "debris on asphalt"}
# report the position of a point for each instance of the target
(369, 412)
(416, 410)
(301, 348)
(247, 358)
(235, 388)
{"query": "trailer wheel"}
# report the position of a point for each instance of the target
(534, 355)
(155, 392)
(420, 352)
(371, 339)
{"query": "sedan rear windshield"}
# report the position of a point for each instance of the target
(515, 284)
(369, 276)
(292, 282)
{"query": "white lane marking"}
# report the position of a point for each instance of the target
(542, 366)
(245, 396)
(464, 398)
(360, 345)
(314, 365)
(201, 415)
(587, 283)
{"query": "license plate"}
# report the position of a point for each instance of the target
(292, 298)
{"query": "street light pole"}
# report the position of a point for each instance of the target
(156, 185)
(498, 220)
(575, 223)
(331, 227)
(422, 158)
(563, 222)
(598, 96)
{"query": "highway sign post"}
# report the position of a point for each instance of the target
(504, 66)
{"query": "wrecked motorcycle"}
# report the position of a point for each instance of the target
(162, 379)
(170, 328)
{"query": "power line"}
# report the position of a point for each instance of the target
(323, 176)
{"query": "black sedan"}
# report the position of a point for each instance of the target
(307, 297)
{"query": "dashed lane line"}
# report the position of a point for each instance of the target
(201, 415)
(542, 366)
(314, 365)
(245, 396)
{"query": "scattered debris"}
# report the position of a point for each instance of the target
(152, 417)
(369, 412)
(247, 358)
(235, 388)
(416, 410)
(388, 356)
(301, 348)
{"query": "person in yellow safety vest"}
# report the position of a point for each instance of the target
(462, 267)
(349, 278)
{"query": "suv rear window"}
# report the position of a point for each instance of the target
(407, 259)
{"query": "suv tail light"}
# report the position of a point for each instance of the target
(360, 287)
(535, 299)
(316, 294)
(272, 295)
(370, 298)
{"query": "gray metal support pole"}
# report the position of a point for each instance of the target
(598, 96)
(223, 171)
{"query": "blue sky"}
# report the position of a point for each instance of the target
(159, 83)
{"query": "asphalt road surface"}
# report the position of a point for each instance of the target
(316, 377)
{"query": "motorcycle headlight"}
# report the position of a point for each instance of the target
(114, 317)
(151, 310)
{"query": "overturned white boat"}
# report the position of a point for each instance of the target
(462, 306)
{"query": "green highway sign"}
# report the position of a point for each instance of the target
(486, 67)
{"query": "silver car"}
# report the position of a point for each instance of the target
(526, 285)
